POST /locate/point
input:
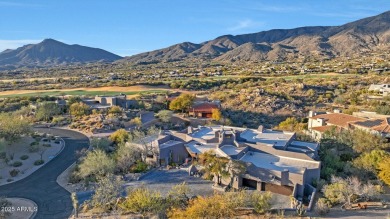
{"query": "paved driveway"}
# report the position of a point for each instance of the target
(41, 187)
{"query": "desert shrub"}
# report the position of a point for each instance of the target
(46, 145)
(14, 172)
(34, 143)
(106, 193)
(24, 157)
(39, 162)
(216, 206)
(33, 148)
(322, 206)
(100, 143)
(261, 202)
(139, 167)
(349, 190)
(17, 164)
(96, 163)
(142, 201)
(3, 205)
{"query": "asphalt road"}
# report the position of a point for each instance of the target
(41, 187)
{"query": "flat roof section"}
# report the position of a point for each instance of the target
(198, 148)
(267, 137)
(204, 133)
(231, 150)
(271, 162)
(169, 143)
(303, 144)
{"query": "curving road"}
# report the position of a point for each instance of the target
(41, 187)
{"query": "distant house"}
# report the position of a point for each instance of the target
(383, 89)
(371, 122)
(203, 110)
(318, 124)
(117, 100)
(379, 126)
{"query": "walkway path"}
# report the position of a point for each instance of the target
(41, 187)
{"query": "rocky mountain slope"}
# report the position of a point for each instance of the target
(322, 41)
(50, 52)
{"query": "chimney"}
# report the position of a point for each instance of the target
(321, 121)
(190, 130)
(312, 113)
(337, 111)
(260, 128)
(284, 180)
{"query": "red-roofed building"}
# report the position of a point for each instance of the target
(203, 110)
(379, 126)
(320, 123)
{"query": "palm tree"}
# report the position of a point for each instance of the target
(235, 168)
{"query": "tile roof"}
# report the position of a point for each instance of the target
(338, 119)
(380, 125)
(204, 107)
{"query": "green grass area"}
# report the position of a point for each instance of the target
(81, 93)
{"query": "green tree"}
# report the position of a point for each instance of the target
(370, 160)
(96, 163)
(73, 99)
(127, 154)
(115, 110)
(144, 140)
(346, 191)
(216, 114)
(165, 115)
(13, 127)
(107, 192)
(235, 168)
(384, 170)
(214, 166)
(79, 109)
(137, 122)
(46, 111)
(120, 136)
(182, 102)
(291, 124)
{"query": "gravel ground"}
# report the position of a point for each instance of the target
(163, 180)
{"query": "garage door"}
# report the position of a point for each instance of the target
(250, 183)
(283, 190)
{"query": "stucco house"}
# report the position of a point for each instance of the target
(203, 109)
(275, 160)
(371, 122)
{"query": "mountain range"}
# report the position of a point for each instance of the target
(323, 41)
(50, 52)
(363, 35)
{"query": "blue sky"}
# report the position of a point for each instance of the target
(128, 27)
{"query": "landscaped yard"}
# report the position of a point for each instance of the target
(27, 155)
